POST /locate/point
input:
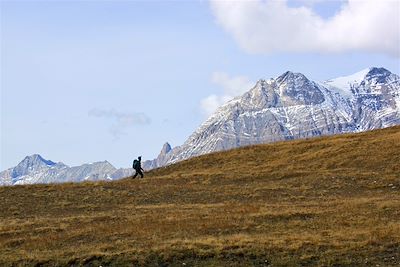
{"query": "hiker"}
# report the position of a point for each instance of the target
(137, 167)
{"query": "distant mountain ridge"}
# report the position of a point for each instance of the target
(291, 107)
(35, 169)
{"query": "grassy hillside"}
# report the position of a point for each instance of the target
(332, 201)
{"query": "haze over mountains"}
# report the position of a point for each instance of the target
(287, 107)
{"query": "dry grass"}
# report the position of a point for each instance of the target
(331, 201)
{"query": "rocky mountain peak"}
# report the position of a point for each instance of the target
(30, 164)
(297, 89)
(165, 149)
(291, 77)
(37, 159)
(372, 83)
(378, 75)
(164, 155)
(378, 71)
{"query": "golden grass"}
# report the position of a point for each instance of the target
(331, 201)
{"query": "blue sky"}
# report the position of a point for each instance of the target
(85, 81)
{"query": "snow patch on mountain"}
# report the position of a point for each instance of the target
(345, 84)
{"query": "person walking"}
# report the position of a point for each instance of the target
(136, 165)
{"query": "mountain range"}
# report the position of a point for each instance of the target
(283, 108)
(35, 169)
(291, 107)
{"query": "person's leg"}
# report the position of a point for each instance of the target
(135, 175)
(141, 173)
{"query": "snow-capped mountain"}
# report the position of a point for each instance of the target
(290, 107)
(287, 107)
(35, 169)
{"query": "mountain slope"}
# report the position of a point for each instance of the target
(292, 107)
(329, 201)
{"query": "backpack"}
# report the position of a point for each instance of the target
(136, 164)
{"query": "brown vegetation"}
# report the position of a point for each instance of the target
(331, 201)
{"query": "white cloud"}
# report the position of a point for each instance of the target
(121, 120)
(267, 26)
(231, 87)
(311, 3)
